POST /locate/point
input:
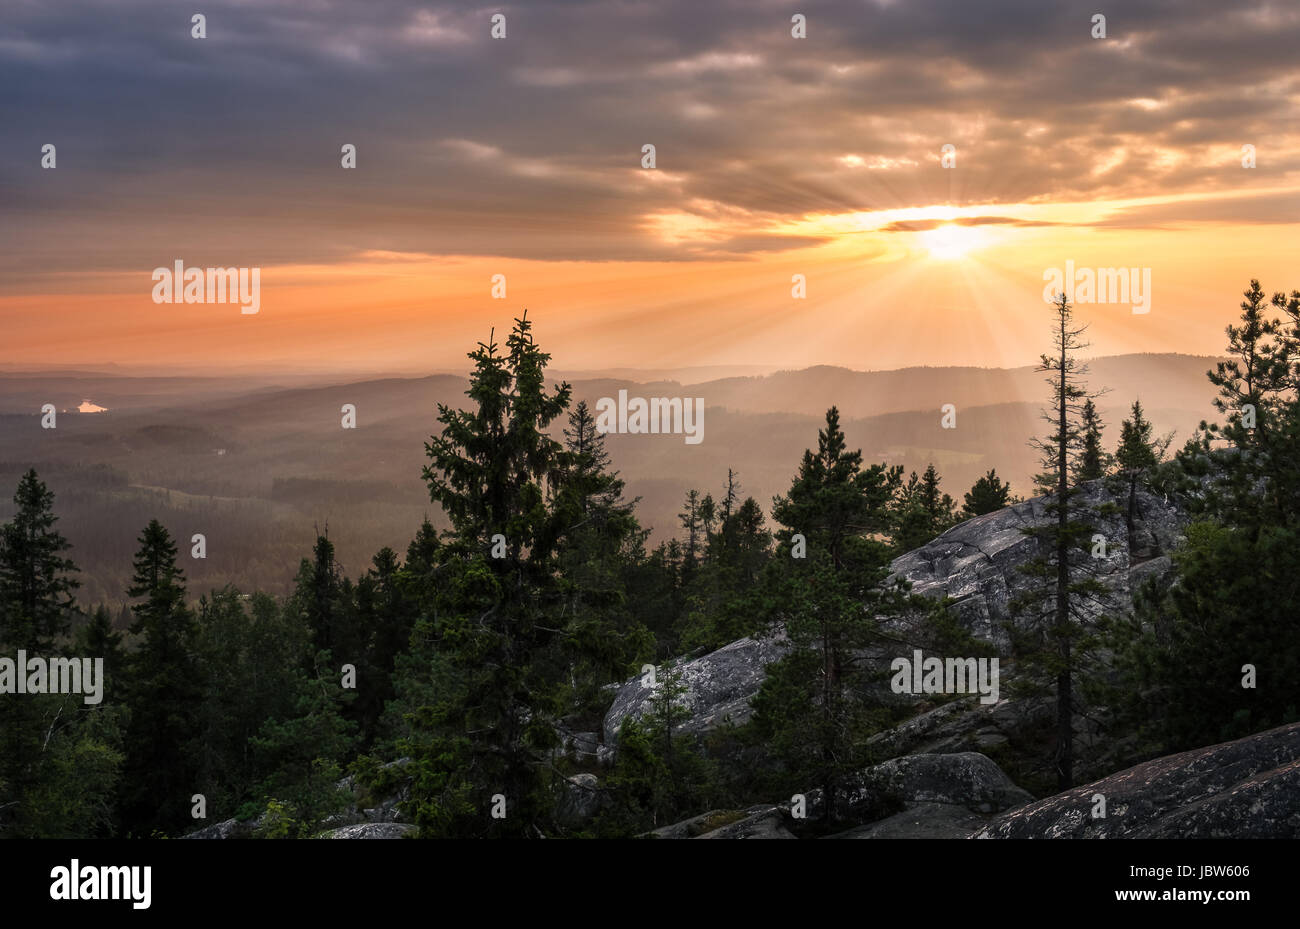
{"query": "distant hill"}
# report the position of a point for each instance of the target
(243, 460)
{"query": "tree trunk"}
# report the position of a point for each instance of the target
(1064, 720)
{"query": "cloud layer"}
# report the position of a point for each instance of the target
(530, 146)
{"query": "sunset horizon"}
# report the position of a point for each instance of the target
(647, 420)
(914, 192)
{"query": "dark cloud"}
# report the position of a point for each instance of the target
(529, 146)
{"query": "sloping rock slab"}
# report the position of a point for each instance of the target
(921, 821)
(965, 779)
(227, 829)
(757, 822)
(1249, 788)
(976, 563)
(370, 831)
(718, 686)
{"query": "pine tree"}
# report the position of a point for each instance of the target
(921, 511)
(1256, 387)
(1092, 463)
(1138, 453)
(599, 542)
(988, 495)
(812, 707)
(1049, 626)
(36, 604)
(1227, 612)
(97, 639)
(493, 469)
(163, 691)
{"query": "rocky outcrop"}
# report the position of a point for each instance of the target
(581, 800)
(941, 796)
(226, 829)
(1249, 788)
(757, 822)
(976, 564)
(967, 779)
(919, 796)
(920, 821)
(370, 831)
(380, 809)
(718, 685)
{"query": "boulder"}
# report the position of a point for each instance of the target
(580, 801)
(383, 809)
(757, 822)
(1249, 788)
(765, 824)
(967, 779)
(921, 796)
(718, 685)
(226, 829)
(920, 821)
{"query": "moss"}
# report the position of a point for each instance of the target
(717, 821)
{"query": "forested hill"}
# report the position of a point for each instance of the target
(258, 466)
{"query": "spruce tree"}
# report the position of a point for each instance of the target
(492, 469)
(921, 511)
(813, 707)
(36, 603)
(36, 607)
(163, 691)
(98, 639)
(1139, 453)
(988, 495)
(599, 541)
(1092, 463)
(1211, 652)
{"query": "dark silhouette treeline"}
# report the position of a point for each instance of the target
(475, 651)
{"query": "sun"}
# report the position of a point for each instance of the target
(949, 242)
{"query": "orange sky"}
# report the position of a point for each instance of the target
(959, 295)
(776, 156)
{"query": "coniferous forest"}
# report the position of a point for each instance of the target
(464, 685)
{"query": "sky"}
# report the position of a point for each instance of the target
(522, 156)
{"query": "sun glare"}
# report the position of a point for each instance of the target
(949, 242)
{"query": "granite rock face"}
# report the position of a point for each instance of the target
(976, 564)
(756, 822)
(718, 685)
(966, 779)
(918, 796)
(226, 829)
(1249, 788)
(370, 831)
(581, 799)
